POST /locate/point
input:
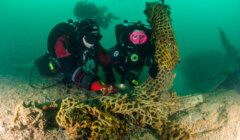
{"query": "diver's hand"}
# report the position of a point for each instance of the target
(153, 70)
(99, 86)
(109, 89)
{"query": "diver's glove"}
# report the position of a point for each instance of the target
(153, 70)
(100, 87)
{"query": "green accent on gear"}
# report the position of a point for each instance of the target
(135, 82)
(51, 66)
(134, 57)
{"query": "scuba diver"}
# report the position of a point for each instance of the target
(133, 51)
(75, 51)
(85, 10)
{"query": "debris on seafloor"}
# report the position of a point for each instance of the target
(28, 121)
(152, 108)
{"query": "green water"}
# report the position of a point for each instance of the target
(25, 25)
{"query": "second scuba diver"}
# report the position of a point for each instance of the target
(77, 53)
(133, 51)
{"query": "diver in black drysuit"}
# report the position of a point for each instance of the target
(133, 51)
(84, 10)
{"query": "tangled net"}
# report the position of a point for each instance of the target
(149, 105)
(85, 121)
(166, 51)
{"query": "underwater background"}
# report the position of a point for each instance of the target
(25, 25)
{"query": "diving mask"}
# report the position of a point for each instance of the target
(138, 37)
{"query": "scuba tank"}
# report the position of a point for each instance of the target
(47, 63)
